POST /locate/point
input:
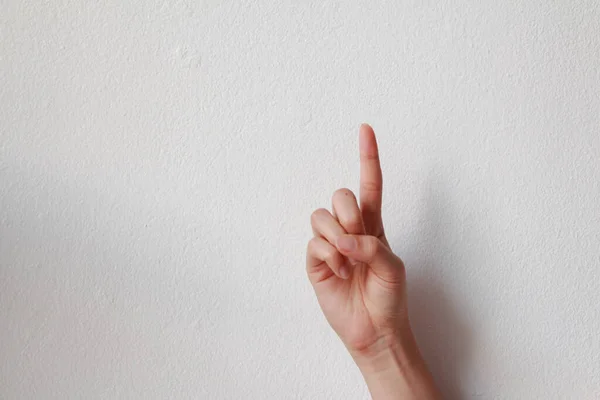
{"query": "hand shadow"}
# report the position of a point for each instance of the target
(443, 337)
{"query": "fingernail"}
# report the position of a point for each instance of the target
(352, 261)
(344, 272)
(346, 243)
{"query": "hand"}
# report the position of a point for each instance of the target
(364, 302)
(361, 284)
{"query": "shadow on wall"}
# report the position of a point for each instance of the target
(439, 324)
(444, 339)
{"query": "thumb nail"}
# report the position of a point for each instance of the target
(346, 243)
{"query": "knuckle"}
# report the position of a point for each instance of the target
(317, 214)
(372, 246)
(310, 245)
(370, 156)
(329, 255)
(312, 250)
(371, 186)
(353, 222)
(401, 267)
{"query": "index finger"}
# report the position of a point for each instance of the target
(371, 181)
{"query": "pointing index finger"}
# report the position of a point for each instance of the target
(371, 181)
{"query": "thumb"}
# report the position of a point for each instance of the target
(372, 251)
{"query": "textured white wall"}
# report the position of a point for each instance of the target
(159, 162)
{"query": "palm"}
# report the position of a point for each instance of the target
(358, 308)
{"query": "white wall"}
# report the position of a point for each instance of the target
(159, 162)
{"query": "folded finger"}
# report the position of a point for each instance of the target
(323, 259)
(347, 212)
(326, 225)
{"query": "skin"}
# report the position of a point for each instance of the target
(360, 285)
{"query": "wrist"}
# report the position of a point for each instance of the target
(397, 350)
(393, 368)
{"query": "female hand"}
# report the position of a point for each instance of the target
(361, 284)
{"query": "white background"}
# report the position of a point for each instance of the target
(159, 162)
